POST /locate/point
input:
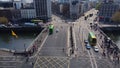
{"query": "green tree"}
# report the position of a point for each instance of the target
(3, 20)
(98, 6)
(116, 16)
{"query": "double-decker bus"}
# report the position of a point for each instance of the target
(51, 28)
(92, 39)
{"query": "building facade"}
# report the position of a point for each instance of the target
(6, 4)
(74, 8)
(28, 13)
(63, 1)
(106, 11)
(43, 9)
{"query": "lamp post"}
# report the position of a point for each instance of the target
(25, 47)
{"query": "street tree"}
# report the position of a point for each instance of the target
(3, 20)
(98, 6)
(116, 16)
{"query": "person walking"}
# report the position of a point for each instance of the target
(27, 59)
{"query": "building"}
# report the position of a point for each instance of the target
(63, 1)
(43, 9)
(28, 13)
(106, 11)
(78, 7)
(17, 4)
(6, 4)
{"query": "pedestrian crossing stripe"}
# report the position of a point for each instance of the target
(51, 62)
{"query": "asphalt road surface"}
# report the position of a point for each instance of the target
(54, 54)
(87, 58)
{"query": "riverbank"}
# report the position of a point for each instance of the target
(22, 29)
(5, 53)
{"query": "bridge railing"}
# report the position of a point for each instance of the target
(110, 46)
(37, 41)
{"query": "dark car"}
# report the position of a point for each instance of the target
(87, 44)
(86, 41)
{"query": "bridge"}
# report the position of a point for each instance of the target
(56, 51)
(66, 48)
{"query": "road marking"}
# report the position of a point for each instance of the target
(68, 63)
(90, 59)
(94, 60)
(51, 62)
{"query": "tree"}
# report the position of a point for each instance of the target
(98, 6)
(3, 20)
(116, 16)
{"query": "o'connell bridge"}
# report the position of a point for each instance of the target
(65, 48)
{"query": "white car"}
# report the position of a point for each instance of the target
(96, 49)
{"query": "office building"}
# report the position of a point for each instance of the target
(28, 13)
(107, 10)
(43, 9)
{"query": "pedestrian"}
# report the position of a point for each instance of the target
(30, 53)
(27, 59)
(63, 49)
(100, 36)
(32, 64)
(118, 59)
(104, 54)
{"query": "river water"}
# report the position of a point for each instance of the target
(10, 42)
(115, 36)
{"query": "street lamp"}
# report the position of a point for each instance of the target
(25, 47)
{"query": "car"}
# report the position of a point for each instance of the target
(86, 41)
(96, 49)
(57, 30)
(88, 46)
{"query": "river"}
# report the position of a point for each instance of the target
(10, 42)
(115, 36)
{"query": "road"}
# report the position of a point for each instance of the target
(54, 52)
(87, 58)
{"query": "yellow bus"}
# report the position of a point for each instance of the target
(36, 21)
(92, 39)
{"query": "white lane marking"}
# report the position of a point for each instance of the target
(94, 60)
(90, 59)
(68, 63)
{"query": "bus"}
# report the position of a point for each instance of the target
(36, 21)
(51, 28)
(92, 39)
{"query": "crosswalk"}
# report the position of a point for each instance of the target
(51, 62)
(10, 61)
